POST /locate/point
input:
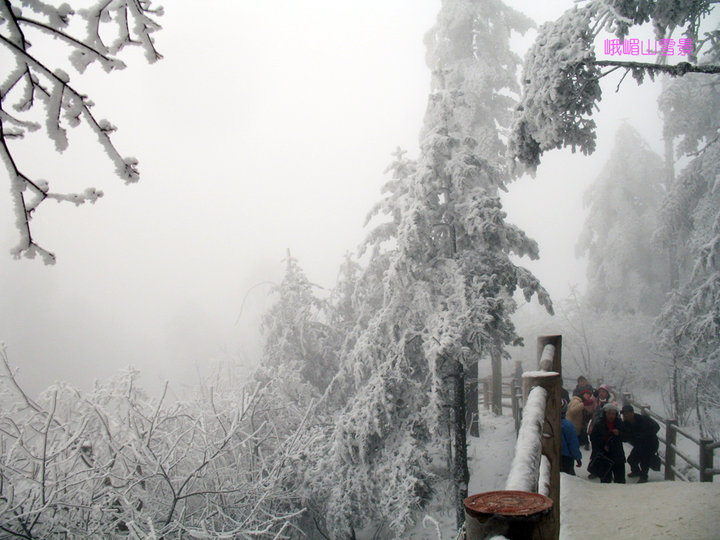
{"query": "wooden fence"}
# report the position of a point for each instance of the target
(706, 447)
(512, 396)
(529, 507)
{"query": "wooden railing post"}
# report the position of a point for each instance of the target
(670, 441)
(555, 341)
(516, 395)
(496, 361)
(706, 460)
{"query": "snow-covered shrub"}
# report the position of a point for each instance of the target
(114, 461)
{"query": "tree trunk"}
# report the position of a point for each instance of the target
(496, 362)
(471, 400)
(673, 269)
(677, 413)
(461, 475)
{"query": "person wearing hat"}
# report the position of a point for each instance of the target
(582, 384)
(641, 432)
(603, 395)
(606, 437)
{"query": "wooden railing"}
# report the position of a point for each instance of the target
(706, 447)
(511, 398)
(529, 507)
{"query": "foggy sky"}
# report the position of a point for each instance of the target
(266, 126)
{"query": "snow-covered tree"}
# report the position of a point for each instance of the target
(561, 88)
(113, 462)
(627, 272)
(689, 326)
(96, 33)
(473, 37)
(447, 289)
(298, 340)
(471, 41)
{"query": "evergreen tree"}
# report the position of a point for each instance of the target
(298, 340)
(689, 325)
(437, 292)
(471, 43)
(626, 272)
(447, 294)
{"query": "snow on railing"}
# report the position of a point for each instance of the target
(546, 358)
(544, 480)
(524, 471)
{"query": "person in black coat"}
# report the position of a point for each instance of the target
(641, 432)
(607, 435)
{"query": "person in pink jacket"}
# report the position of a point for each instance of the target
(590, 403)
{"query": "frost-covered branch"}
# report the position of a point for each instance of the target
(676, 70)
(31, 77)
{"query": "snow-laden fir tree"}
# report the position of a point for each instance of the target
(627, 272)
(473, 38)
(299, 342)
(105, 28)
(471, 41)
(447, 294)
(689, 326)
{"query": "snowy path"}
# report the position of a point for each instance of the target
(590, 510)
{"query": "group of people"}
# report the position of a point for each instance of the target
(592, 418)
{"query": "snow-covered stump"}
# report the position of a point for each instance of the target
(520, 512)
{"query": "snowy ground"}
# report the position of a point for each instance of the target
(489, 456)
(590, 511)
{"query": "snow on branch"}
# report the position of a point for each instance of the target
(32, 79)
